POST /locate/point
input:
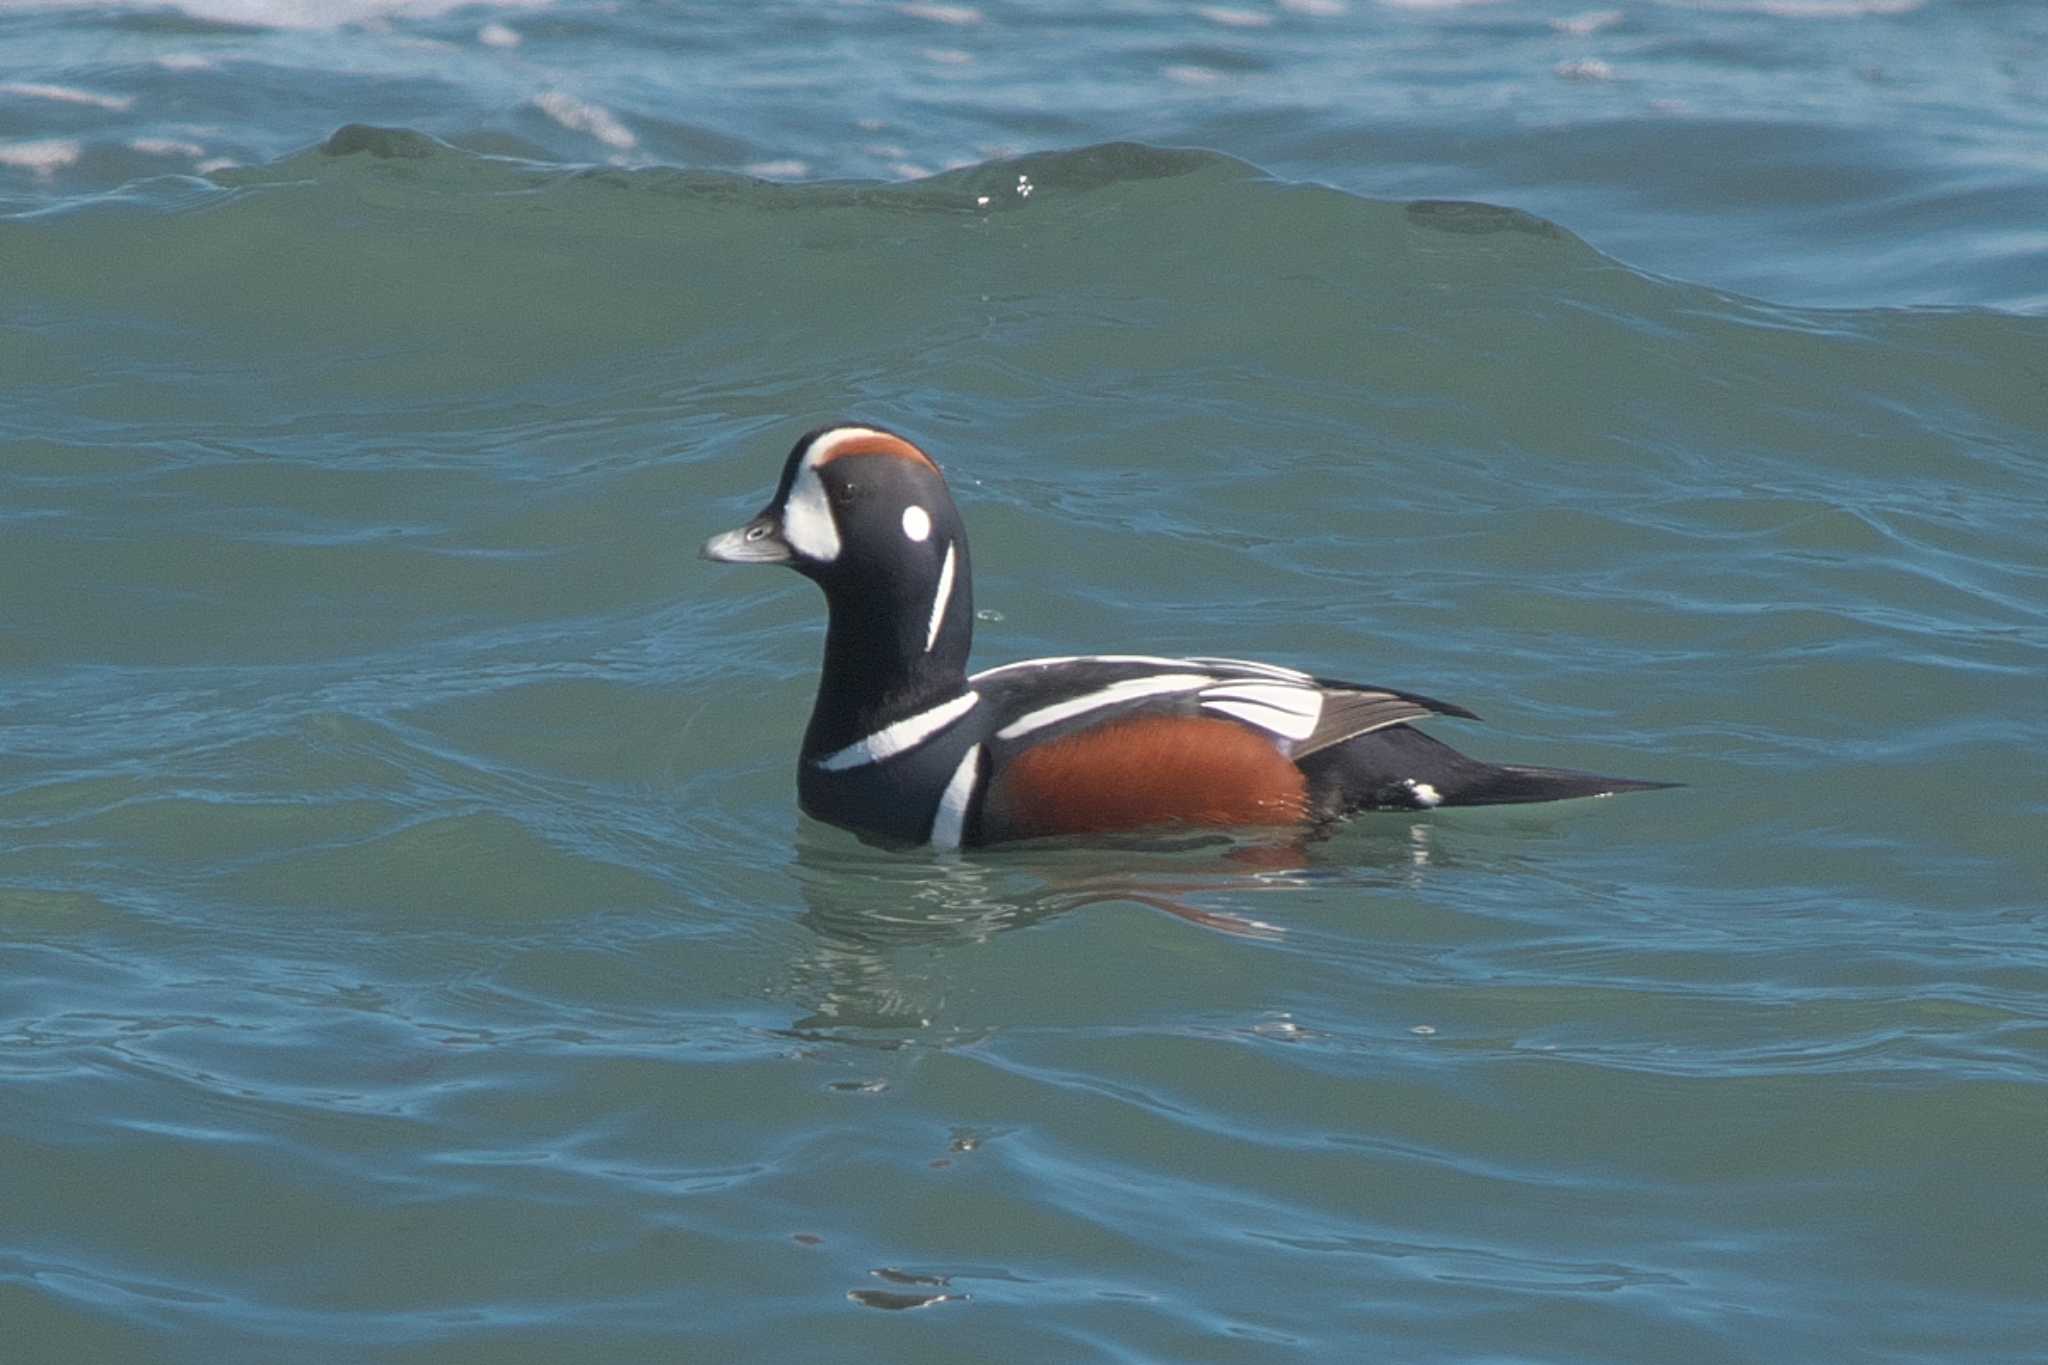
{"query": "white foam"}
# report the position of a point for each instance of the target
(328, 14)
(1227, 16)
(66, 94)
(1592, 21)
(581, 116)
(165, 146)
(957, 15)
(45, 157)
(1813, 9)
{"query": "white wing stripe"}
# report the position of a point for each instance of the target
(1254, 666)
(1289, 723)
(1086, 659)
(1294, 675)
(907, 733)
(1300, 701)
(1131, 689)
(951, 815)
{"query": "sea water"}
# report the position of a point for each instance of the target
(409, 945)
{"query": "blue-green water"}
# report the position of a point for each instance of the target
(409, 948)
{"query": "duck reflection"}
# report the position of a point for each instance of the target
(865, 907)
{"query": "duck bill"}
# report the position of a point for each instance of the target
(758, 542)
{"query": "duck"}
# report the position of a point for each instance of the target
(906, 748)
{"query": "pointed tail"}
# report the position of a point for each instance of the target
(1511, 783)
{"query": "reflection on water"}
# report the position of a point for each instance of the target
(866, 908)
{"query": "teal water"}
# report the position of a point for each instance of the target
(409, 947)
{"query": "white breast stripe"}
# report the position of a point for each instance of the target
(908, 733)
(1265, 717)
(807, 522)
(1128, 690)
(1300, 701)
(951, 815)
(939, 600)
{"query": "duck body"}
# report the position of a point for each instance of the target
(905, 747)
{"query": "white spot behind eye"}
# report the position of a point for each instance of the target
(917, 523)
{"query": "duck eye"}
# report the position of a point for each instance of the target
(757, 530)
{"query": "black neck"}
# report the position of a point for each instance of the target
(877, 669)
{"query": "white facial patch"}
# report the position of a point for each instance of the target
(1425, 795)
(807, 522)
(917, 523)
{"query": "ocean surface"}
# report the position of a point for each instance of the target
(410, 950)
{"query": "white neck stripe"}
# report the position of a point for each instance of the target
(939, 601)
(907, 733)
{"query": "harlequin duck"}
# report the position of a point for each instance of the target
(906, 747)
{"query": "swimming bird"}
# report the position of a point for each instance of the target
(906, 747)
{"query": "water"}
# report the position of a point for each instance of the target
(409, 949)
